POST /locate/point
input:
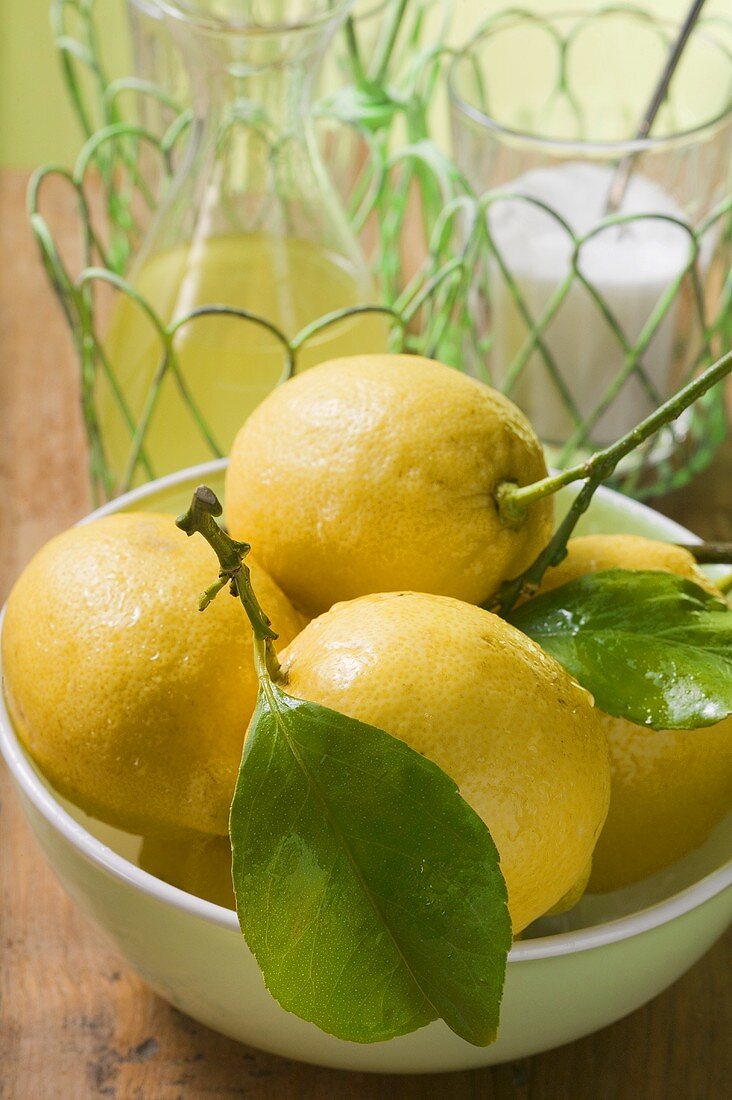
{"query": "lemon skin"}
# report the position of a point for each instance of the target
(133, 703)
(379, 472)
(198, 863)
(520, 738)
(669, 789)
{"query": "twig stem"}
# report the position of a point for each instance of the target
(709, 553)
(201, 518)
(513, 500)
(382, 63)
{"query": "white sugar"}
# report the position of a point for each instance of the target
(629, 267)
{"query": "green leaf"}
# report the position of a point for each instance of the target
(372, 108)
(367, 889)
(651, 647)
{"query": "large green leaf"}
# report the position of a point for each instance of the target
(367, 889)
(651, 647)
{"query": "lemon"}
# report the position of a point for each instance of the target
(574, 894)
(376, 473)
(669, 787)
(198, 863)
(595, 553)
(131, 702)
(520, 738)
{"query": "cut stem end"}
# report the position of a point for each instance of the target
(511, 509)
(200, 518)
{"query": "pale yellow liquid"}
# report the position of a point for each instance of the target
(228, 364)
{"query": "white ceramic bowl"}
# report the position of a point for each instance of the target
(575, 974)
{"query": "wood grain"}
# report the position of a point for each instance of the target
(74, 1021)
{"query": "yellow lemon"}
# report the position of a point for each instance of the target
(521, 739)
(595, 553)
(574, 894)
(379, 472)
(669, 787)
(198, 863)
(132, 702)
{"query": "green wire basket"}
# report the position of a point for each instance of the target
(406, 190)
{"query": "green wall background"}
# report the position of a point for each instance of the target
(36, 121)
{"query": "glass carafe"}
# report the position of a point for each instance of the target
(250, 221)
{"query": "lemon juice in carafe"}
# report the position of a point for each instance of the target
(224, 365)
(250, 222)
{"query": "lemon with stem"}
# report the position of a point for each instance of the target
(375, 473)
(107, 666)
(518, 735)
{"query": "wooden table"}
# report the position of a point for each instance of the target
(74, 1022)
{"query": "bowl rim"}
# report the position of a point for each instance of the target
(28, 780)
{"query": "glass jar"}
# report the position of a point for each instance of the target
(595, 316)
(248, 247)
(158, 64)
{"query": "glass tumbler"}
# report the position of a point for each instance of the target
(593, 315)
